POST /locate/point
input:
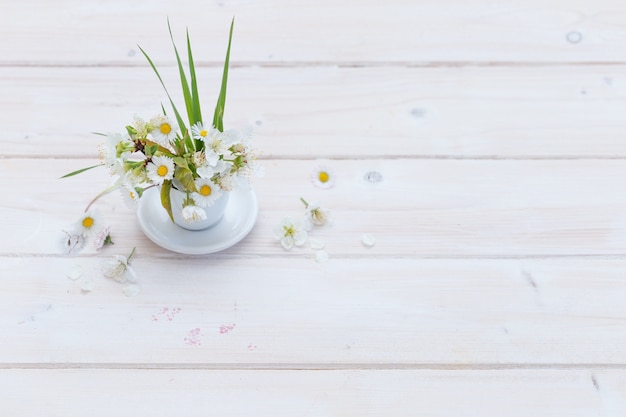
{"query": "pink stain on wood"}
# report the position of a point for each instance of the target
(193, 337)
(225, 328)
(166, 314)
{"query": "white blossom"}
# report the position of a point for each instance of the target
(193, 214)
(290, 233)
(118, 268)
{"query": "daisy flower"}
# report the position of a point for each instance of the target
(315, 214)
(129, 195)
(90, 223)
(118, 268)
(290, 233)
(198, 131)
(162, 130)
(323, 177)
(207, 193)
(160, 169)
(193, 214)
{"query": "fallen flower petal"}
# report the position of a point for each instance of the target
(317, 244)
(75, 273)
(131, 290)
(321, 256)
(368, 240)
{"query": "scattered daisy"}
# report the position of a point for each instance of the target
(193, 214)
(207, 193)
(118, 268)
(160, 169)
(323, 177)
(102, 238)
(290, 233)
(198, 131)
(90, 223)
(73, 242)
(315, 214)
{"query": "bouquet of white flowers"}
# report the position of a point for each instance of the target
(197, 158)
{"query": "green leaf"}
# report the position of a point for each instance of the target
(179, 119)
(197, 114)
(150, 150)
(218, 117)
(183, 79)
(165, 197)
(185, 176)
(161, 149)
(181, 162)
(71, 174)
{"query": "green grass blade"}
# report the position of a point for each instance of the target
(183, 80)
(71, 174)
(218, 117)
(181, 122)
(197, 114)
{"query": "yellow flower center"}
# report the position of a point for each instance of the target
(132, 195)
(162, 170)
(204, 133)
(165, 128)
(289, 231)
(323, 176)
(88, 222)
(205, 190)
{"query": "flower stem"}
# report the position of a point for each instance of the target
(131, 255)
(306, 205)
(108, 190)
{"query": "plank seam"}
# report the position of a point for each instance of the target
(314, 366)
(320, 64)
(295, 256)
(369, 157)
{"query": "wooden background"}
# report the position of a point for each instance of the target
(497, 283)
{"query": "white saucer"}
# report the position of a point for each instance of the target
(240, 216)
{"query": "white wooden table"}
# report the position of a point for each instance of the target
(497, 282)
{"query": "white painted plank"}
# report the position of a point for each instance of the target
(420, 208)
(268, 311)
(324, 111)
(89, 32)
(517, 393)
